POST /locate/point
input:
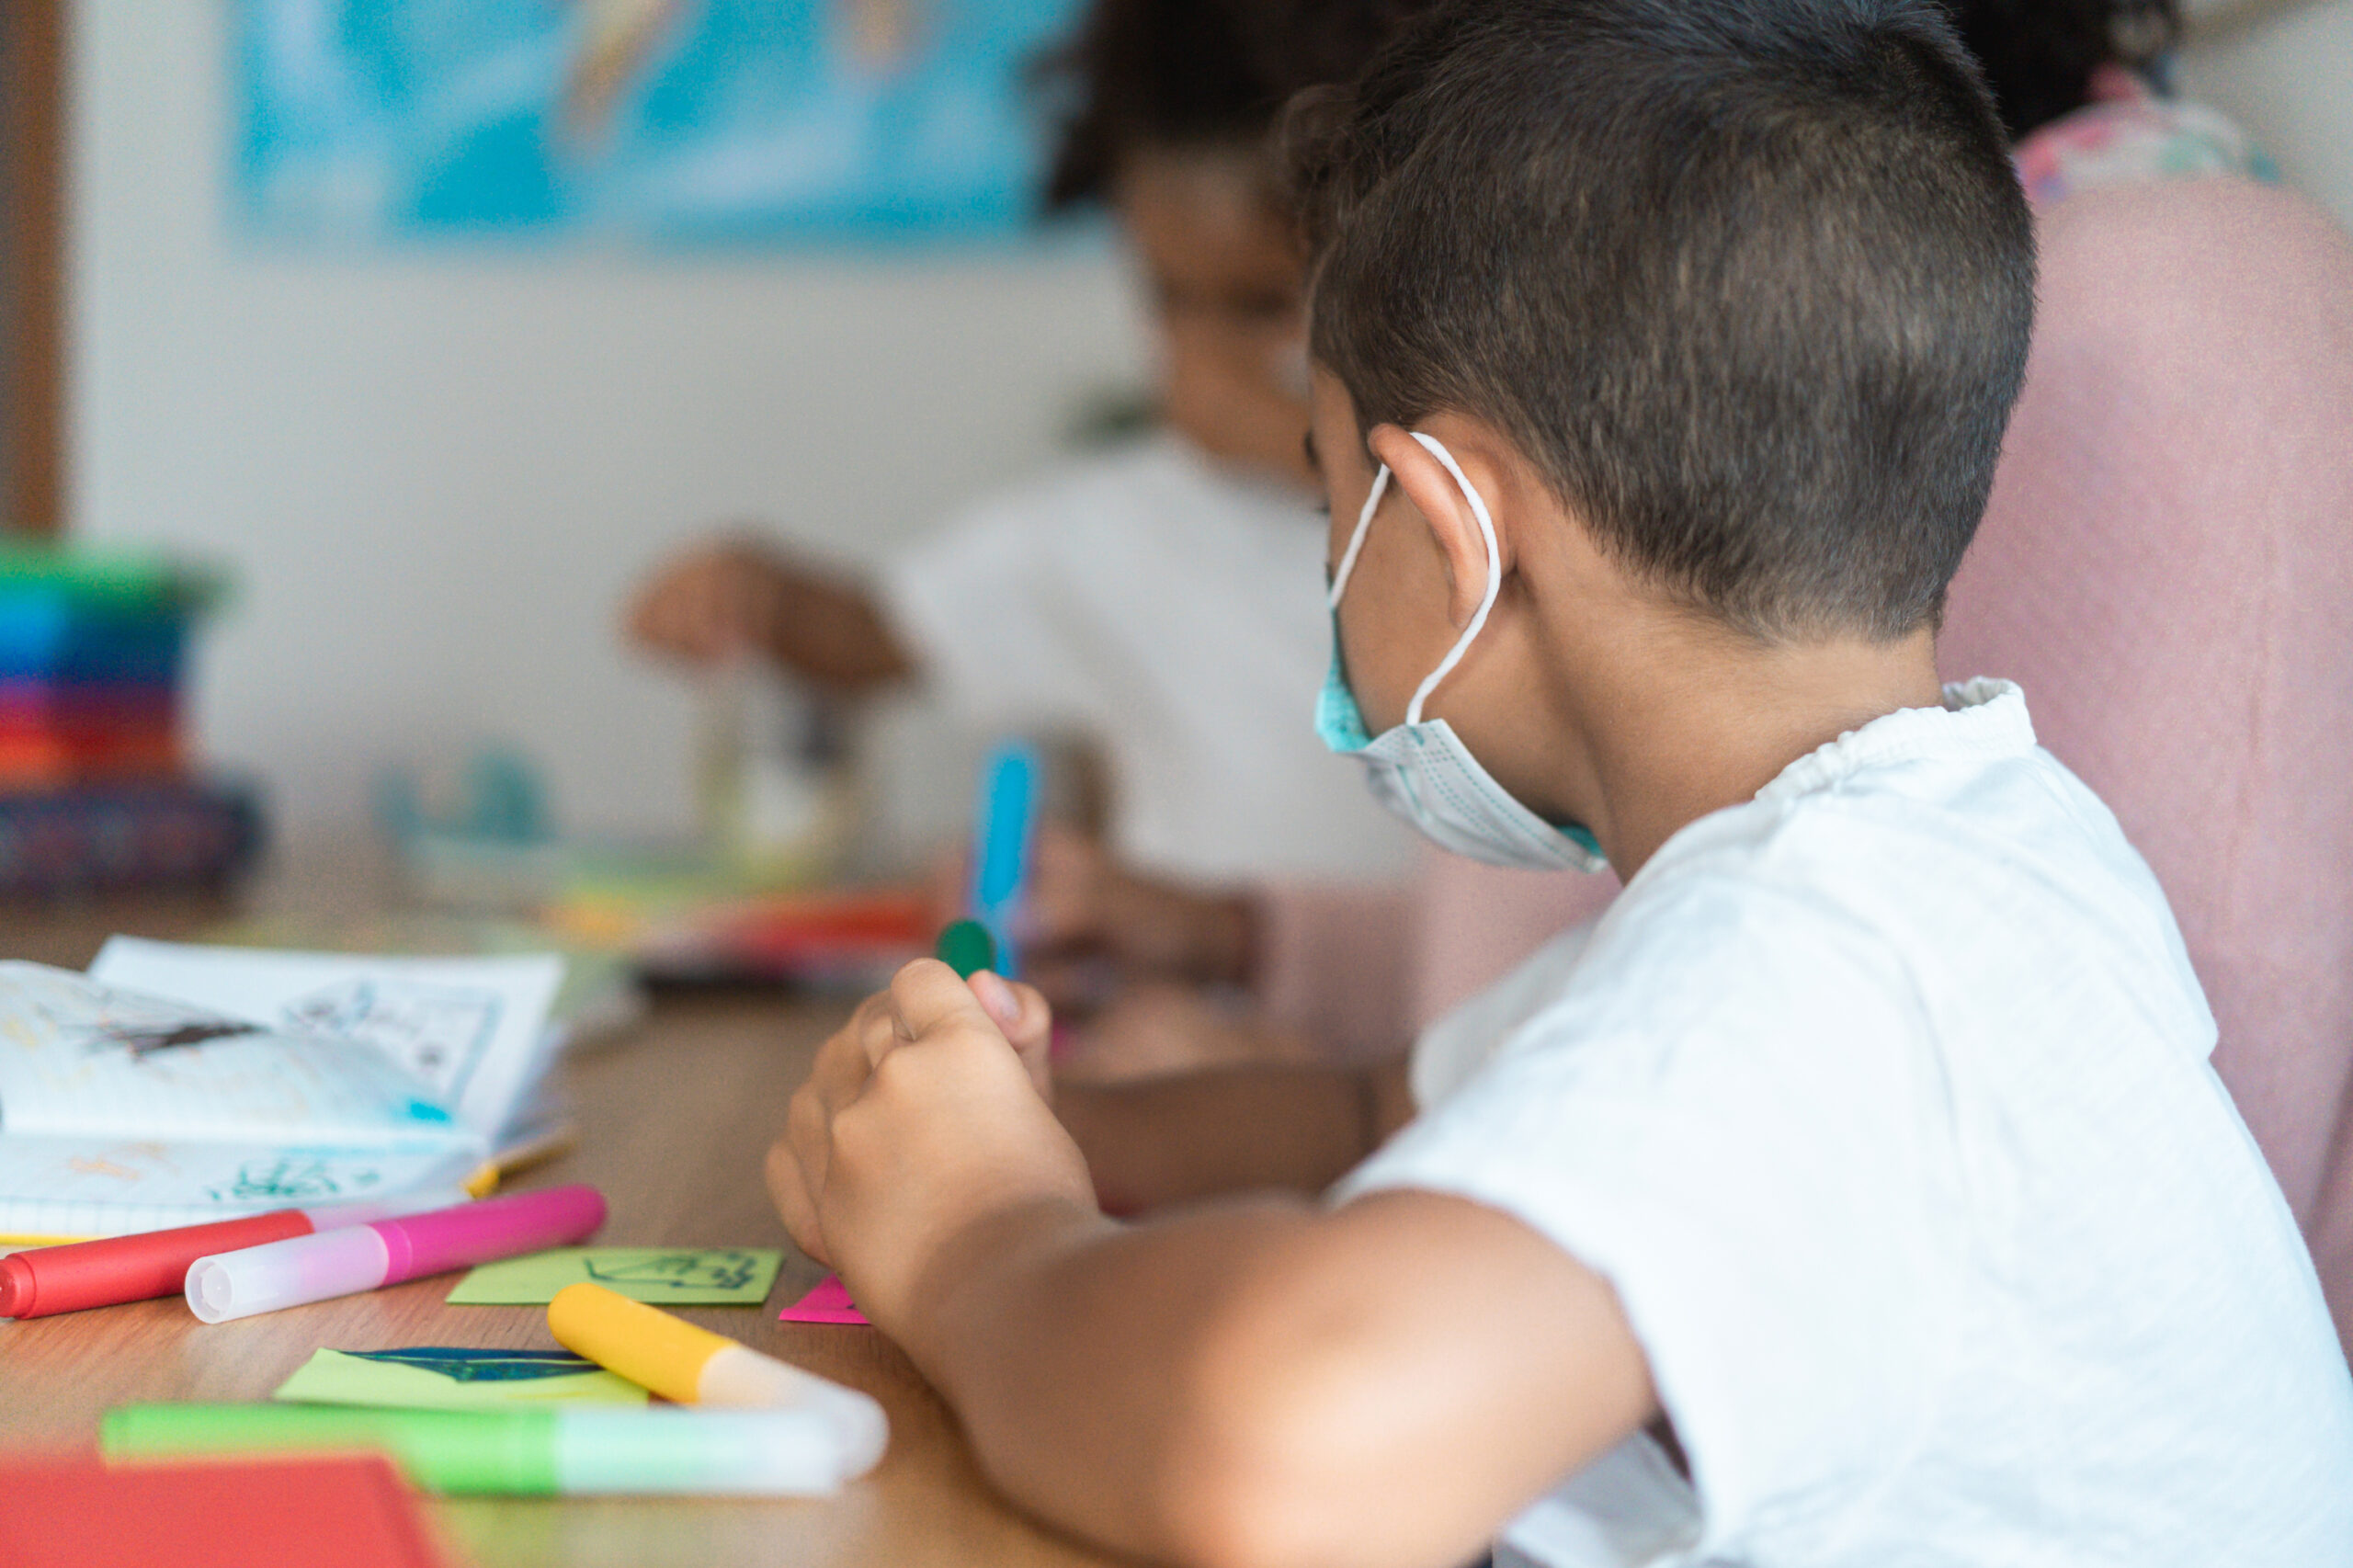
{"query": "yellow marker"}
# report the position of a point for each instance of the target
(694, 1366)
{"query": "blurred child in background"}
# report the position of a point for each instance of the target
(1161, 600)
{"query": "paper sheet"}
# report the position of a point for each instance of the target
(666, 1277)
(471, 1029)
(829, 1302)
(447, 1378)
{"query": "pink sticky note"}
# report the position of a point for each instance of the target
(829, 1302)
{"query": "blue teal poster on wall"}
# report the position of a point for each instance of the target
(668, 122)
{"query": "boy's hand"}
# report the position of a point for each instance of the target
(925, 1117)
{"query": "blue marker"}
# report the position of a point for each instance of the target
(1005, 826)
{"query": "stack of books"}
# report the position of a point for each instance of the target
(94, 789)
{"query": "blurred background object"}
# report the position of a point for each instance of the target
(95, 788)
(438, 455)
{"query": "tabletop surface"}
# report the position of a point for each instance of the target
(674, 1119)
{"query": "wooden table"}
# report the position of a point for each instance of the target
(674, 1122)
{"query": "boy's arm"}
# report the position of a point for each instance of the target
(1258, 1383)
(1193, 1135)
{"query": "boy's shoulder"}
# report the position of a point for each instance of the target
(1909, 863)
(1883, 1101)
(1936, 837)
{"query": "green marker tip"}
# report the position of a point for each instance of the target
(966, 946)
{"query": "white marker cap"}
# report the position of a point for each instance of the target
(763, 1453)
(287, 1273)
(742, 1378)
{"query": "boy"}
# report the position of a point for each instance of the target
(1856, 1190)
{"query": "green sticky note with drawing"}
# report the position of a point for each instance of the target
(666, 1277)
(455, 1378)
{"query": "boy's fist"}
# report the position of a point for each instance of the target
(926, 1115)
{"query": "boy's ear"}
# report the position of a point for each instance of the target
(1416, 470)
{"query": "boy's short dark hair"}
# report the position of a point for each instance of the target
(1751, 281)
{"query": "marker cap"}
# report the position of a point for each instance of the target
(705, 1452)
(966, 946)
(287, 1273)
(744, 1378)
(19, 1290)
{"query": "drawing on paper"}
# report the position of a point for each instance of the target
(682, 1271)
(438, 1032)
(469, 1365)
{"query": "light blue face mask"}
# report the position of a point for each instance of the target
(1421, 769)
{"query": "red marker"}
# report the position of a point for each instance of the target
(138, 1268)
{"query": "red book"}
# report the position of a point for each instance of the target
(343, 1512)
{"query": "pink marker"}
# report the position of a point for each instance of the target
(353, 1258)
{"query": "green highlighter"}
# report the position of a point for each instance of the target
(521, 1453)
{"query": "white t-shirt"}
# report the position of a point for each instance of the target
(1883, 1101)
(1176, 612)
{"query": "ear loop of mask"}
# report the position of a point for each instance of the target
(1495, 566)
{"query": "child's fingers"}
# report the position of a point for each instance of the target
(789, 1190)
(1027, 1019)
(1020, 1011)
(927, 995)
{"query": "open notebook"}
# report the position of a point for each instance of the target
(174, 1086)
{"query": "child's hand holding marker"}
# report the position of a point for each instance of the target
(924, 1119)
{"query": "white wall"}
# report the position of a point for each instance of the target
(437, 473)
(2284, 70)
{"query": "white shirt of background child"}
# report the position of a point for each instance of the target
(1175, 611)
(1883, 1101)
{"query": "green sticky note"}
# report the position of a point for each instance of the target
(666, 1277)
(451, 1378)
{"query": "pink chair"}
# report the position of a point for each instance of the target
(2168, 569)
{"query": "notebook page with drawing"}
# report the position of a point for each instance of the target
(72, 1187)
(121, 1110)
(473, 1029)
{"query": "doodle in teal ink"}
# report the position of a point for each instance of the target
(682, 1271)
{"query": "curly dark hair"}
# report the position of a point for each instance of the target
(2039, 55)
(1160, 74)
(1215, 74)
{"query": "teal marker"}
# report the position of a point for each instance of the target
(520, 1453)
(1004, 828)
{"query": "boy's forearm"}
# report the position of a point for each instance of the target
(1262, 1383)
(1075, 1351)
(1173, 1140)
